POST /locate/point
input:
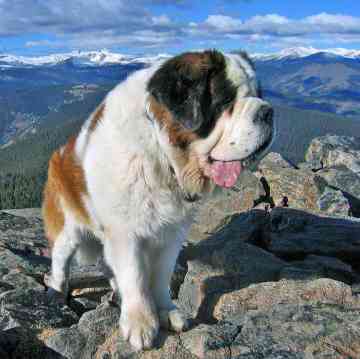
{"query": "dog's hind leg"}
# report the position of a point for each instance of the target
(64, 249)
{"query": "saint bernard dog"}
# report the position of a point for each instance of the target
(158, 145)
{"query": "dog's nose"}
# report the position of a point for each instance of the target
(265, 115)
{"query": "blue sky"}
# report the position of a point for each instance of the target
(37, 27)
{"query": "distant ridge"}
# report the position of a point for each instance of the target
(301, 52)
(106, 57)
(81, 58)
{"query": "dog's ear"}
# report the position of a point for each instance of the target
(183, 85)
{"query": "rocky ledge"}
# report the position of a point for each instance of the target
(271, 270)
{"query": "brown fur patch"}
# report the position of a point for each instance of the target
(178, 135)
(98, 115)
(66, 183)
(193, 178)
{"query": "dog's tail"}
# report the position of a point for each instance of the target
(89, 251)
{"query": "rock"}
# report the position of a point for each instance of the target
(331, 150)
(248, 303)
(67, 343)
(244, 196)
(331, 268)
(302, 189)
(299, 331)
(247, 225)
(312, 330)
(22, 343)
(334, 202)
(30, 265)
(341, 178)
(294, 234)
(22, 242)
(167, 346)
(264, 296)
(82, 340)
(313, 267)
(272, 160)
(20, 280)
(25, 212)
(222, 263)
(215, 341)
(31, 308)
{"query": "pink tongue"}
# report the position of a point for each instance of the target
(225, 174)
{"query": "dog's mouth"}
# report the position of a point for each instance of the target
(224, 174)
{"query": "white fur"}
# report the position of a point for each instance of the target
(136, 206)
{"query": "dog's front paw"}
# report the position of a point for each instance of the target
(174, 320)
(140, 327)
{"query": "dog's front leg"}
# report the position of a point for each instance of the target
(129, 261)
(164, 260)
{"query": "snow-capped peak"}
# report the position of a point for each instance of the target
(300, 52)
(85, 58)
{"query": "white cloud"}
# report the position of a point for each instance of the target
(223, 23)
(114, 23)
(40, 43)
(161, 20)
(288, 31)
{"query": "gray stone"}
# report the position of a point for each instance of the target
(347, 181)
(68, 343)
(25, 212)
(331, 150)
(31, 308)
(274, 160)
(83, 339)
(301, 189)
(242, 197)
(220, 264)
(314, 266)
(20, 280)
(301, 331)
(293, 234)
(333, 202)
(24, 343)
(270, 294)
(215, 341)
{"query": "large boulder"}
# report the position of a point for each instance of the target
(294, 234)
(225, 262)
(264, 296)
(345, 180)
(243, 197)
(331, 150)
(288, 186)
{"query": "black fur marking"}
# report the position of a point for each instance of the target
(194, 87)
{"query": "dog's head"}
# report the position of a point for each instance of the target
(211, 117)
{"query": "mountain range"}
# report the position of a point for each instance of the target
(38, 90)
(106, 58)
